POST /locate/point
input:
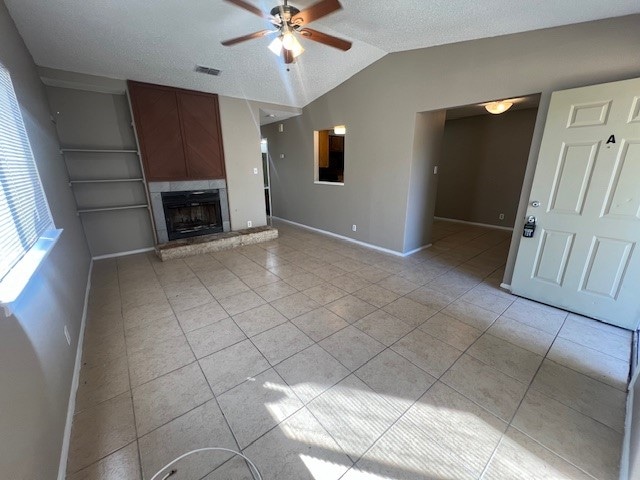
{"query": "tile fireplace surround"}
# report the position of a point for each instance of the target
(155, 192)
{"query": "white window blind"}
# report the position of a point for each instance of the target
(24, 212)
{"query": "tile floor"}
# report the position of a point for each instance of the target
(324, 360)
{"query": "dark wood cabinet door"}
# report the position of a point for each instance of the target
(202, 138)
(157, 119)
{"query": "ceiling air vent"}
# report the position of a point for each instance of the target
(208, 70)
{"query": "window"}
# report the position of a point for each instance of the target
(329, 155)
(26, 227)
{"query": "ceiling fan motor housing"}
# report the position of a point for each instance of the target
(284, 12)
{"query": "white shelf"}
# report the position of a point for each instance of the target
(108, 209)
(114, 180)
(86, 150)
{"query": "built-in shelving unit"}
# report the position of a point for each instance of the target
(106, 199)
(90, 150)
(111, 180)
(100, 150)
(108, 209)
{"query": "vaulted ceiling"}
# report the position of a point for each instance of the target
(161, 41)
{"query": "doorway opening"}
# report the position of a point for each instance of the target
(482, 162)
(267, 178)
(468, 170)
(480, 170)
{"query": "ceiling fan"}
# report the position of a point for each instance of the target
(290, 22)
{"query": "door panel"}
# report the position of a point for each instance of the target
(634, 114)
(553, 254)
(572, 178)
(583, 256)
(589, 114)
(606, 265)
(624, 192)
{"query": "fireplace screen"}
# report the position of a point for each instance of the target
(189, 214)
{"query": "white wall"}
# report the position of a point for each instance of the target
(36, 364)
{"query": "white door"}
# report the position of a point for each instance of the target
(584, 255)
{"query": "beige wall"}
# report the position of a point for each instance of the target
(482, 166)
(241, 138)
(379, 107)
(427, 140)
(36, 364)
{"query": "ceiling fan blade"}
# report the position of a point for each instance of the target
(244, 38)
(316, 12)
(250, 8)
(330, 40)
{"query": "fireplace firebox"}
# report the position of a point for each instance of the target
(189, 214)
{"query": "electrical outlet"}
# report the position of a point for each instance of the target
(249, 223)
(501, 216)
(435, 170)
(255, 171)
(66, 335)
(282, 155)
(354, 228)
(281, 128)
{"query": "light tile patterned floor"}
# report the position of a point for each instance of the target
(325, 360)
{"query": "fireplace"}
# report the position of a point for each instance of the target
(192, 213)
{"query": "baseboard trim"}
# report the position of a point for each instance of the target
(64, 455)
(123, 254)
(506, 286)
(477, 224)
(352, 240)
(416, 250)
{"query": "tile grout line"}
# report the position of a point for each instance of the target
(577, 467)
(304, 405)
(271, 367)
(215, 399)
(529, 388)
(515, 412)
(126, 350)
(438, 379)
(391, 273)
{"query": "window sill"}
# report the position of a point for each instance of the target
(16, 281)
(317, 182)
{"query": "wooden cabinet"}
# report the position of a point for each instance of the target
(179, 133)
(336, 143)
(323, 148)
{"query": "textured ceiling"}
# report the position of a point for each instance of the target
(161, 41)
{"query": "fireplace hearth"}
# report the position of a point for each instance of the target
(192, 213)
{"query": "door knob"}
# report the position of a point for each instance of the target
(535, 204)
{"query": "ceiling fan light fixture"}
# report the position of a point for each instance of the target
(276, 46)
(496, 108)
(291, 43)
(296, 52)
